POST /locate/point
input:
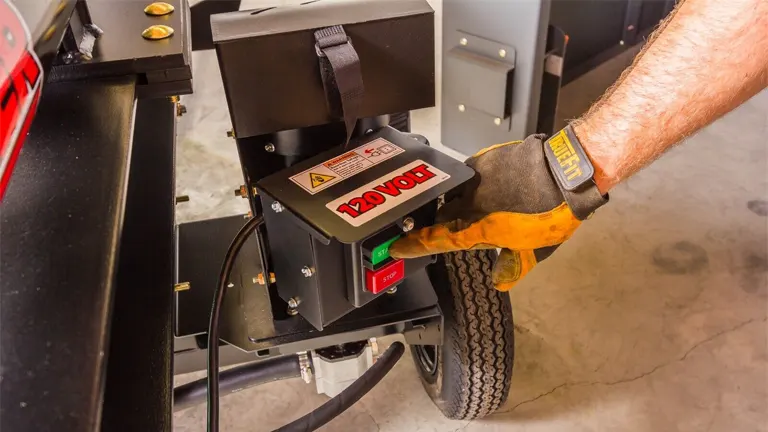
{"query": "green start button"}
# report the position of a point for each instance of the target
(381, 252)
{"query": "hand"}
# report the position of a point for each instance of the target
(513, 203)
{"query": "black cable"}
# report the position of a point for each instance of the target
(213, 325)
(236, 379)
(329, 410)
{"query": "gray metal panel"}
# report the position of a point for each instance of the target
(521, 24)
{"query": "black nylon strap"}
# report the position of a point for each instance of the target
(573, 173)
(341, 75)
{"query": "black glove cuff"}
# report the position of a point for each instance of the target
(573, 173)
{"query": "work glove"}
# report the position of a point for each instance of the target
(515, 203)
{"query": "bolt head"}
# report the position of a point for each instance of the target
(307, 272)
(159, 9)
(157, 32)
(408, 224)
(502, 53)
(293, 303)
(621, 42)
(497, 121)
(277, 207)
(230, 133)
(462, 108)
(269, 148)
(306, 374)
(392, 290)
(463, 41)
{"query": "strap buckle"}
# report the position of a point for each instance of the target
(321, 53)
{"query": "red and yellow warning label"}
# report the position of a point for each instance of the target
(385, 193)
(319, 179)
(342, 167)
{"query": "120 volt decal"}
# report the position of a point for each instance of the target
(387, 192)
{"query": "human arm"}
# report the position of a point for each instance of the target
(708, 58)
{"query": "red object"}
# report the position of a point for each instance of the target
(20, 82)
(385, 277)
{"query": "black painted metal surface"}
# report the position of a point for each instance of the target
(138, 394)
(121, 50)
(247, 319)
(311, 207)
(61, 224)
(201, 20)
(394, 40)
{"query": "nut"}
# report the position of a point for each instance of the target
(307, 271)
(182, 286)
(260, 278)
(374, 346)
(408, 224)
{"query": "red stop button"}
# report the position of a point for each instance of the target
(385, 277)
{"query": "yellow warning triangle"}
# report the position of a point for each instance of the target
(319, 179)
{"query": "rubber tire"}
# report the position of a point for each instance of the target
(474, 365)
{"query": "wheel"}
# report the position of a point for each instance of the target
(469, 375)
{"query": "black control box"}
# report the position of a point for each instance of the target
(331, 219)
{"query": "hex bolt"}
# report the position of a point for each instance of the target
(277, 207)
(497, 121)
(502, 53)
(270, 148)
(408, 224)
(305, 366)
(462, 108)
(307, 271)
(294, 302)
(463, 41)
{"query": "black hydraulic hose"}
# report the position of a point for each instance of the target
(329, 410)
(213, 325)
(236, 379)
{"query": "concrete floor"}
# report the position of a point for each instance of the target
(652, 318)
